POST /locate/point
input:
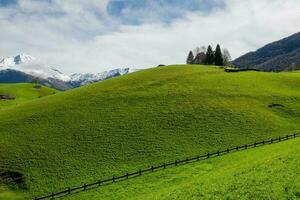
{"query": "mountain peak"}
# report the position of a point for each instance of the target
(30, 65)
(23, 58)
(16, 60)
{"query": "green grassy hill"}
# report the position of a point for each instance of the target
(148, 117)
(7, 194)
(21, 93)
(269, 172)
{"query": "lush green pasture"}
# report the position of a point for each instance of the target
(269, 172)
(143, 118)
(21, 93)
(8, 194)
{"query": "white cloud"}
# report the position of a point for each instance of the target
(78, 36)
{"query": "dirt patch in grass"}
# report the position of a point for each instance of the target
(240, 70)
(6, 97)
(37, 86)
(274, 105)
(14, 179)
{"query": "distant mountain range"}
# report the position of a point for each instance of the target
(77, 80)
(277, 56)
(26, 68)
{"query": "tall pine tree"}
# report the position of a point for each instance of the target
(210, 58)
(219, 61)
(190, 58)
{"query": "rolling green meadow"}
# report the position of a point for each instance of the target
(22, 92)
(269, 172)
(154, 116)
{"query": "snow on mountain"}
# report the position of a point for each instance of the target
(32, 66)
(83, 79)
(35, 68)
(10, 62)
(19, 59)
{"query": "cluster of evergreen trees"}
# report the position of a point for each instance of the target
(207, 56)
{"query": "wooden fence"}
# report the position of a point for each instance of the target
(154, 168)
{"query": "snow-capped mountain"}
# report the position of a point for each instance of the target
(84, 79)
(26, 68)
(32, 66)
(19, 59)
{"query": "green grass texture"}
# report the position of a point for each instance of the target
(22, 92)
(269, 172)
(144, 118)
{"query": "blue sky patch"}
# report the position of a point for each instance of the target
(7, 2)
(137, 12)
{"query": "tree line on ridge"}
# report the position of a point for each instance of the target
(208, 56)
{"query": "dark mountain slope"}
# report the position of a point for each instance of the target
(277, 56)
(14, 76)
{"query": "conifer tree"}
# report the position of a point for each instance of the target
(190, 58)
(218, 56)
(210, 58)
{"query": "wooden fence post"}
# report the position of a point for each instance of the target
(187, 161)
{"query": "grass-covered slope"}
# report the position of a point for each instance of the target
(8, 194)
(21, 93)
(144, 118)
(269, 172)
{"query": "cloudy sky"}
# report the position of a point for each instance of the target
(97, 35)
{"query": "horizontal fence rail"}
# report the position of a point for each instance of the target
(154, 168)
